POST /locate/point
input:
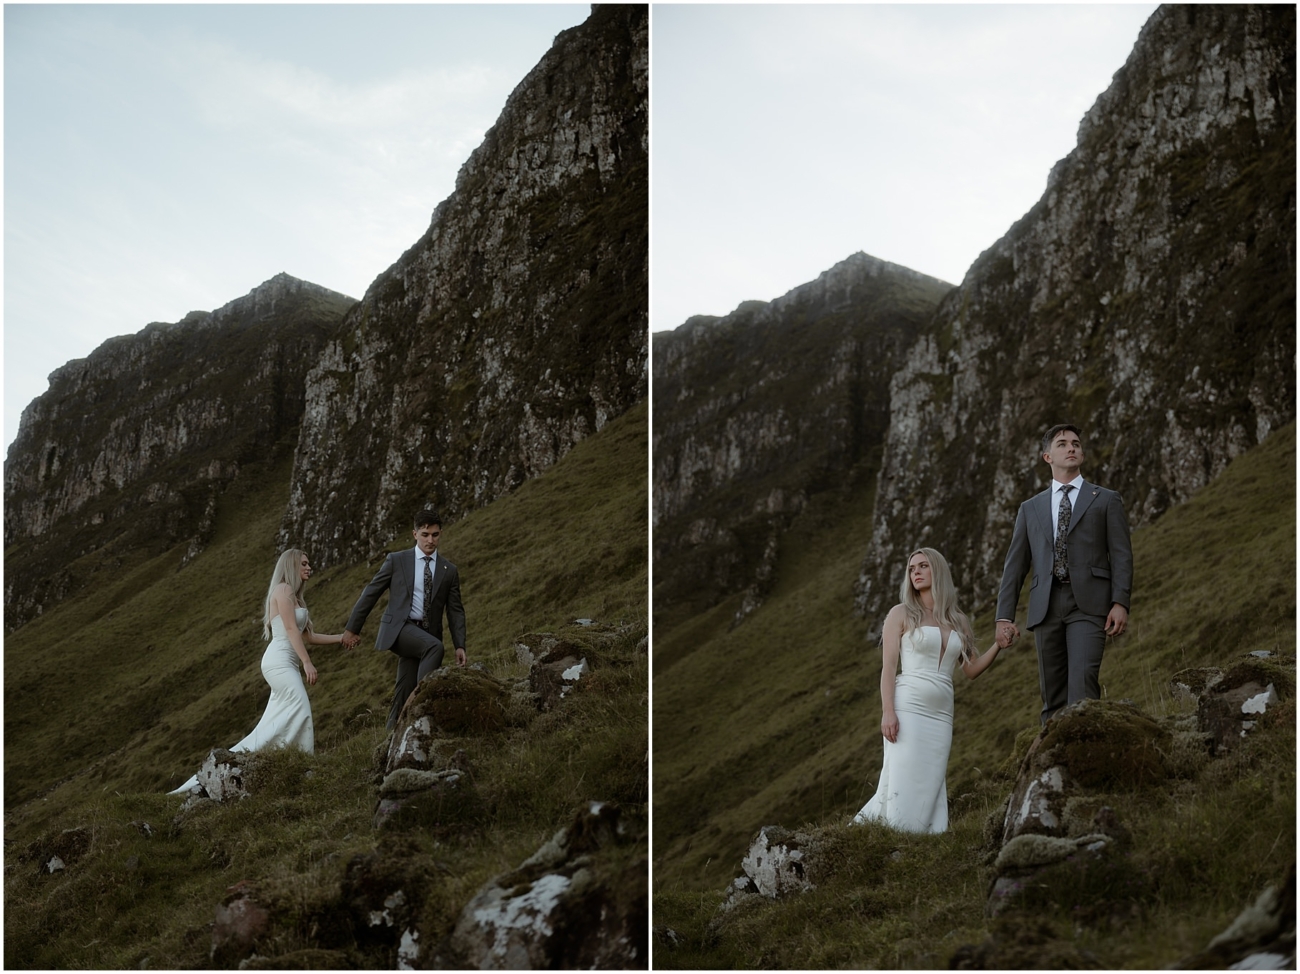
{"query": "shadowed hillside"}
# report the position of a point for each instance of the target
(791, 737)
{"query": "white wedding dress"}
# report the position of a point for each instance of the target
(913, 790)
(287, 719)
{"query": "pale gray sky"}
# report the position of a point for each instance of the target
(787, 137)
(160, 159)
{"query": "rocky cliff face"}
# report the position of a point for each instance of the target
(515, 327)
(757, 411)
(1149, 298)
(131, 447)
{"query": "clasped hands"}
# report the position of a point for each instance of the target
(350, 639)
(1116, 623)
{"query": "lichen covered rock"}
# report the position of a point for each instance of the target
(578, 902)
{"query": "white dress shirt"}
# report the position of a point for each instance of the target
(417, 590)
(1077, 484)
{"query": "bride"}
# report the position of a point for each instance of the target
(287, 719)
(917, 704)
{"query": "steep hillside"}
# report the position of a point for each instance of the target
(515, 327)
(112, 698)
(759, 412)
(131, 449)
(785, 731)
(1149, 298)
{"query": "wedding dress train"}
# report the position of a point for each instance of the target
(287, 719)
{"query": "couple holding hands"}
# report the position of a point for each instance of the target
(422, 587)
(1074, 536)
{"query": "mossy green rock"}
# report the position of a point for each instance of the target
(1089, 746)
(458, 701)
(1103, 745)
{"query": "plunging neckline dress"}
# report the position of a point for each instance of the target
(913, 791)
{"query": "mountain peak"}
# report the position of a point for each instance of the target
(269, 297)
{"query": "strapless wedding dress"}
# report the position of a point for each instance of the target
(913, 790)
(287, 719)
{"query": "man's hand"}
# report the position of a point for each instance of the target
(1117, 621)
(350, 639)
(1006, 633)
(460, 656)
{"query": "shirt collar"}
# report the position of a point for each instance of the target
(1076, 483)
(419, 556)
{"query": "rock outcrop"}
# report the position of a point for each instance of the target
(130, 449)
(571, 904)
(515, 327)
(779, 862)
(1148, 297)
(758, 411)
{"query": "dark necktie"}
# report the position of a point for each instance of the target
(1060, 566)
(428, 589)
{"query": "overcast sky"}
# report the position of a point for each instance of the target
(786, 138)
(163, 159)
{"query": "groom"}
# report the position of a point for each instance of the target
(421, 586)
(1075, 536)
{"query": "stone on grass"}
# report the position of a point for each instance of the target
(236, 928)
(578, 902)
(412, 798)
(554, 674)
(56, 854)
(1089, 745)
(382, 894)
(456, 702)
(1029, 850)
(224, 774)
(1262, 937)
(778, 862)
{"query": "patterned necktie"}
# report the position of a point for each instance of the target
(428, 589)
(1060, 567)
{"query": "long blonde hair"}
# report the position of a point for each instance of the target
(288, 570)
(945, 600)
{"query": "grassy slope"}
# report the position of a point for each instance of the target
(776, 722)
(113, 698)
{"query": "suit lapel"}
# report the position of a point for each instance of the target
(1043, 508)
(409, 560)
(1087, 494)
(438, 572)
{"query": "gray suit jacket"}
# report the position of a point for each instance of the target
(397, 575)
(1098, 550)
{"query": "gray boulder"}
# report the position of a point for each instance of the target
(578, 902)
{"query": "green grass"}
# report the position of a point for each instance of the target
(115, 697)
(776, 722)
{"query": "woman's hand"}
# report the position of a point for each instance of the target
(309, 672)
(889, 726)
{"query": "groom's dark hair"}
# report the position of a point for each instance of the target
(427, 516)
(1047, 437)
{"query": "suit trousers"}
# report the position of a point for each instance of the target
(419, 652)
(1070, 643)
